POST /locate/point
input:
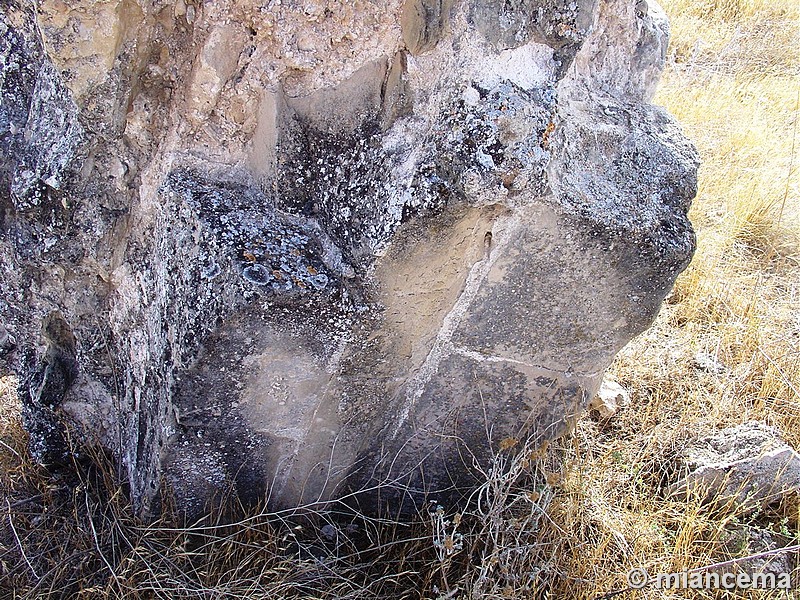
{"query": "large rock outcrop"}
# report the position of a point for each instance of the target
(316, 249)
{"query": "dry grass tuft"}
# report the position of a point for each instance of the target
(745, 37)
(74, 536)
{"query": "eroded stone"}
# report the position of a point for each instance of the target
(332, 250)
(748, 467)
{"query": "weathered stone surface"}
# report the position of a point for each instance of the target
(748, 540)
(320, 249)
(609, 398)
(40, 130)
(423, 22)
(748, 466)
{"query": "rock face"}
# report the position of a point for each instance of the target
(307, 250)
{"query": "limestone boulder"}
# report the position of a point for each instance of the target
(320, 250)
(747, 467)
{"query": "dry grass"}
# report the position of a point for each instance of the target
(74, 536)
(572, 523)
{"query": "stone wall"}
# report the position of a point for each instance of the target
(310, 249)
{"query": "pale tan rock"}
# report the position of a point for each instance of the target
(84, 38)
(609, 399)
(306, 43)
(180, 8)
(216, 63)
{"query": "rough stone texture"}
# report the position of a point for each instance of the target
(609, 398)
(315, 249)
(748, 540)
(748, 465)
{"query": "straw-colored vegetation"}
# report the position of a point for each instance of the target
(566, 523)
